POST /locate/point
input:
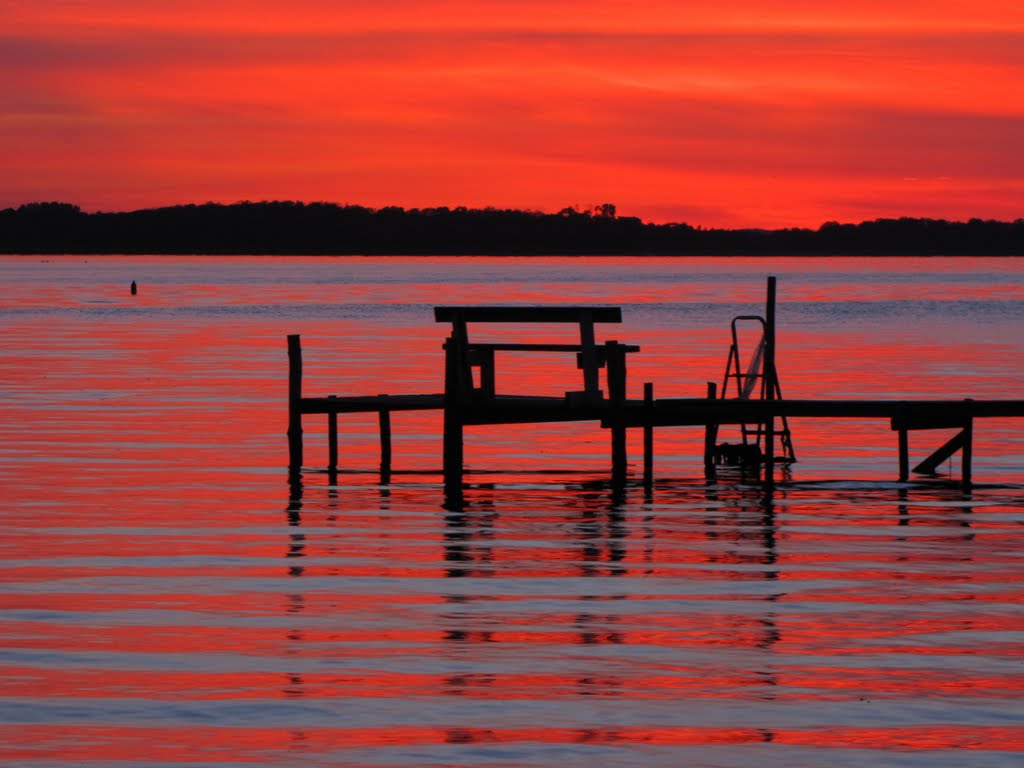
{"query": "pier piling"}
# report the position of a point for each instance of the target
(453, 428)
(648, 436)
(710, 436)
(616, 362)
(332, 437)
(384, 420)
(294, 402)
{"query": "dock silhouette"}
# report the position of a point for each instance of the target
(471, 398)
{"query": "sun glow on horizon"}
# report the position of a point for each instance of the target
(729, 116)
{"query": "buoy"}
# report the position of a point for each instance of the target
(134, 288)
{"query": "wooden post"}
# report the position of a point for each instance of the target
(771, 383)
(904, 456)
(967, 455)
(967, 452)
(385, 441)
(294, 402)
(332, 437)
(648, 435)
(487, 384)
(710, 436)
(453, 446)
(588, 357)
(616, 362)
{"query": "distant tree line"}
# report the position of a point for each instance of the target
(328, 228)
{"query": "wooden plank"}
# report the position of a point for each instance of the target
(525, 347)
(511, 346)
(372, 403)
(699, 411)
(521, 314)
(924, 415)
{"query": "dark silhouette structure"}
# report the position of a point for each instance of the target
(471, 398)
(328, 228)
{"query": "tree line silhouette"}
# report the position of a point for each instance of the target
(329, 228)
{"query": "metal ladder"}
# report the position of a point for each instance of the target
(752, 383)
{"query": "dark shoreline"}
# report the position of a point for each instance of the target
(292, 228)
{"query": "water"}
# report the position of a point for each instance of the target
(168, 599)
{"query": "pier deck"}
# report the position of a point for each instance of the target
(470, 398)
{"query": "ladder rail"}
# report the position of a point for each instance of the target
(747, 381)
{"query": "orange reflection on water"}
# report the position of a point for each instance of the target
(168, 595)
(230, 745)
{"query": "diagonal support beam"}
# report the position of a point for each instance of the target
(951, 446)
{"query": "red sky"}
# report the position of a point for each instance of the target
(733, 113)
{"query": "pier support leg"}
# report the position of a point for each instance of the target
(710, 437)
(294, 403)
(385, 445)
(904, 456)
(963, 441)
(332, 438)
(616, 362)
(453, 446)
(967, 453)
(648, 436)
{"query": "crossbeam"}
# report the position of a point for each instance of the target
(524, 314)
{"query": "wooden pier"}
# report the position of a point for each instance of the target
(471, 397)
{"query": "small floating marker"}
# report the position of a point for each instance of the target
(135, 288)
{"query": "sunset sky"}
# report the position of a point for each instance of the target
(732, 113)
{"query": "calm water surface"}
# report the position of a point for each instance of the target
(169, 599)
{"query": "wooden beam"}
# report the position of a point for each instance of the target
(699, 411)
(943, 452)
(372, 403)
(520, 314)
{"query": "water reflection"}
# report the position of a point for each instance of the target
(206, 615)
(600, 529)
(297, 540)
